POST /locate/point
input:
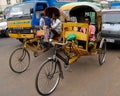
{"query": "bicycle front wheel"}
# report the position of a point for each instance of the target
(48, 77)
(19, 60)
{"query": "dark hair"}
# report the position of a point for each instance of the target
(88, 17)
(57, 14)
(42, 14)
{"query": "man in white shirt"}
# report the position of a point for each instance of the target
(56, 27)
(42, 21)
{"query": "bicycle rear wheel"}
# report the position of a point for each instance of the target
(102, 53)
(48, 77)
(19, 60)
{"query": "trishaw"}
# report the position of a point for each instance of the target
(68, 50)
(19, 60)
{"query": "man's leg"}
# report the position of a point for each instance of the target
(55, 33)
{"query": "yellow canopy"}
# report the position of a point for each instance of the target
(69, 6)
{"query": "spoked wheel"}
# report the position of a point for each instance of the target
(48, 77)
(19, 60)
(102, 53)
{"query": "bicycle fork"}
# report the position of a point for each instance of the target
(57, 62)
(22, 56)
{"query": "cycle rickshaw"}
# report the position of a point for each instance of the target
(19, 60)
(50, 71)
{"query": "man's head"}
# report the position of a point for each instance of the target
(42, 15)
(87, 19)
(55, 15)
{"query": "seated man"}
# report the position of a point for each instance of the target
(91, 32)
(52, 27)
(56, 26)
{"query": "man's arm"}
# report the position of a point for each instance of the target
(55, 24)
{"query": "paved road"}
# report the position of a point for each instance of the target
(86, 78)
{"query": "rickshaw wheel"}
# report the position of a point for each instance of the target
(19, 60)
(102, 53)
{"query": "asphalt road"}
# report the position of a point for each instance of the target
(86, 78)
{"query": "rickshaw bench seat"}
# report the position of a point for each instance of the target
(79, 35)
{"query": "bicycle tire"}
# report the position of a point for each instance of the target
(102, 53)
(52, 66)
(19, 60)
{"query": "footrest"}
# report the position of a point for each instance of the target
(73, 59)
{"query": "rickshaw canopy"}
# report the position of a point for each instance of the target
(80, 8)
(50, 10)
(86, 6)
(95, 6)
